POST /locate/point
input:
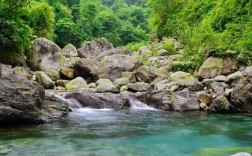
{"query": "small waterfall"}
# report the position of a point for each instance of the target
(136, 104)
(72, 103)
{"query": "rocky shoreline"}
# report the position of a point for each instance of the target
(101, 76)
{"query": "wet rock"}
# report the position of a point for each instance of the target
(99, 100)
(44, 80)
(77, 84)
(45, 54)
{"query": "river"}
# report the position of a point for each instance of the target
(141, 131)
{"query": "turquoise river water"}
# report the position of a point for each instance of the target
(132, 133)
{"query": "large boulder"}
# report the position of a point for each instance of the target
(77, 84)
(88, 69)
(145, 74)
(183, 78)
(111, 67)
(92, 49)
(44, 80)
(23, 101)
(99, 100)
(105, 85)
(45, 54)
(241, 95)
(213, 67)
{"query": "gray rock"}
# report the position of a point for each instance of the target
(88, 69)
(44, 55)
(220, 104)
(145, 74)
(213, 67)
(208, 81)
(183, 78)
(220, 78)
(121, 82)
(92, 49)
(241, 96)
(23, 101)
(105, 85)
(113, 66)
(185, 100)
(69, 51)
(99, 100)
(44, 80)
(130, 76)
(139, 86)
(5, 71)
(24, 72)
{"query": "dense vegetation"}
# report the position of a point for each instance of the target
(71, 21)
(205, 24)
(199, 24)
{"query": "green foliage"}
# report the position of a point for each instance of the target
(15, 34)
(136, 45)
(169, 45)
(204, 24)
(41, 19)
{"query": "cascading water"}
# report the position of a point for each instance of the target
(136, 104)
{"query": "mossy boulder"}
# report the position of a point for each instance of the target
(77, 84)
(213, 67)
(44, 80)
(105, 85)
(53, 74)
(183, 78)
(121, 82)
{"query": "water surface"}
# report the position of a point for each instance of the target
(132, 133)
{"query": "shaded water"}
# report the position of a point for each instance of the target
(132, 133)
